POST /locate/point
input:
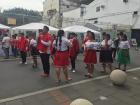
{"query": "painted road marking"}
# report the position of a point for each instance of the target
(59, 87)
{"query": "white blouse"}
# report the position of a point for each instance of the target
(110, 42)
(124, 45)
(91, 45)
(64, 44)
(33, 42)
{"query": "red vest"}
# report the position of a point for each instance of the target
(46, 38)
(75, 47)
(23, 44)
(13, 42)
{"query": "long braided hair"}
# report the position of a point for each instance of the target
(59, 39)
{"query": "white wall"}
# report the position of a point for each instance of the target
(49, 5)
(115, 12)
(72, 14)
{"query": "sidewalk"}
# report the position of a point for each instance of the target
(99, 91)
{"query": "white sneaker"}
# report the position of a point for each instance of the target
(20, 62)
(25, 63)
(73, 71)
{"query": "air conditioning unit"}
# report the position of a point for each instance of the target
(135, 13)
(125, 1)
(102, 6)
(96, 21)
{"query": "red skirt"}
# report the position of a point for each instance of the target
(61, 59)
(90, 57)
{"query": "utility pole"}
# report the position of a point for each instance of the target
(60, 16)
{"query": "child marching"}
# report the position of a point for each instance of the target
(90, 57)
(74, 50)
(106, 52)
(61, 57)
(23, 48)
(123, 53)
(33, 51)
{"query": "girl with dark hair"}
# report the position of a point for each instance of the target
(23, 48)
(61, 57)
(74, 50)
(33, 51)
(43, 45)
(123, 53)
(13, 45)
(90, 54)
(106, 52)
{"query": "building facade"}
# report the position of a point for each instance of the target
(110, 15)
(53, 10)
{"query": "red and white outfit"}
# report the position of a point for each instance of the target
(61, 57)
(41, 45)
(74, 49)
(23, 44)
(23, 47)
(90, 52)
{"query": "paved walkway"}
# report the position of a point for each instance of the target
(99, 91)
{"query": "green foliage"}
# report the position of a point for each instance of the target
(22, 11)
(22, 16)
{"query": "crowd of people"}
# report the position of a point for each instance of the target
(64, 51)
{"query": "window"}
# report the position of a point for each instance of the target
(125, 1)
(68, 6)
(98, 9)
(83, 11)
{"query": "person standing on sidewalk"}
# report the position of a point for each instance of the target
(90, 57)
(84, 41)
(23, 48)
(106, 53)
(123, 53)
(61, 57)
(115, 46)
(33, 51)
(6, 45)
(43, 45)
(74, 50)
(14, 45)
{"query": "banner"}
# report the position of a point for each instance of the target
(11, 21)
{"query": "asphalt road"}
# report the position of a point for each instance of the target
(16, 79)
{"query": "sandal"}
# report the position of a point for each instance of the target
(58, 81)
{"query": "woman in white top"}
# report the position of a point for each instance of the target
(61, 57)
(90, 57)
(106, 52)
(123, 53)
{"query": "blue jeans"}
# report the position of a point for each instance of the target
(6, 52)
(14, 51)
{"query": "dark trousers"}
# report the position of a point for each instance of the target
(114, 50)
(6, 52)
(23, 56)
(45, 62)
(14, 51)
(73, 59)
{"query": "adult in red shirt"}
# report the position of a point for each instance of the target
(23, 47)
(43, 45)
(74, 50)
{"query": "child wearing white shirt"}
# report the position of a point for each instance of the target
(123, 53)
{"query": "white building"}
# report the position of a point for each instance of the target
(110, 14)
(52, 8)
